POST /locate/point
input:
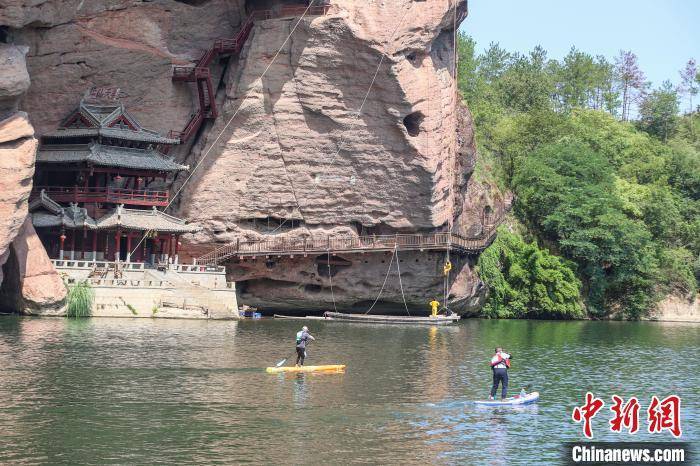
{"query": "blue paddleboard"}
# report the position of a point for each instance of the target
(512, 401)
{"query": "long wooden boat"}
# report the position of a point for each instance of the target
(280, 316)
(383, 319)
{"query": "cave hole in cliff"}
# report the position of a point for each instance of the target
(326, 269)
(412, 123)
(311, 288)
(4, 35)
(272, 224)
(11, 286)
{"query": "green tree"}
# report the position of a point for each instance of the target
(659, 112)
(525, 84)
(526, 281)
(468, 80)
(566, 191)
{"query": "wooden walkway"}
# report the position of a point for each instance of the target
(303, 246)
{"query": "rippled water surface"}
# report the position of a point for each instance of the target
(139, 391)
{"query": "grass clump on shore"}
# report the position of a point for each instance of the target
(79, 300)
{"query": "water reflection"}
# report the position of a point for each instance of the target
(167, 391)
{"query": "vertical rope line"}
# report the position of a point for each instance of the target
(398, 269)
(388, 270)
(330, 277)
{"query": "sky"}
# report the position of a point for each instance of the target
(663, 33)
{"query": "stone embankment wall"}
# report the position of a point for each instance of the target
(175, 293)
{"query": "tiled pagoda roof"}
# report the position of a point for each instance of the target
(107, 120)
(117, 133)
(144, 220)
(48, 213)
(109, 156)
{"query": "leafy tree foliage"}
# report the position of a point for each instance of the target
(567, 192)
(619, 199)
(659, 112)
(526, 281)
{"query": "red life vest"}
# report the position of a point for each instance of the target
(500, 360)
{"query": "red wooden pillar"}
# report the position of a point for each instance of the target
(62, 240)
(117, 237)
(128, 247)
(177, 244)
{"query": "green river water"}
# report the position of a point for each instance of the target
(142, 391)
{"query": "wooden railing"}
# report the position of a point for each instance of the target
(147, 197)
(347, 244)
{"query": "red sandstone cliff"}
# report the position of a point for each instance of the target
(27, 278)
(297, 151)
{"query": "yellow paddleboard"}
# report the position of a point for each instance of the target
(327, 368)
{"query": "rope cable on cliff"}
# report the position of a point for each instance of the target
(388, 270)
(451, 176)
(398, 270)
(340, 145)
(330, 278)
(228, 123)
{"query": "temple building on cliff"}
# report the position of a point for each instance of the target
(99, 180)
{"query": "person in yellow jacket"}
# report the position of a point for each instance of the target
(434, 305)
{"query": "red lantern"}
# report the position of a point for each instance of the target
(118, 178)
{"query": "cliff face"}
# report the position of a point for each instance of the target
(27, 278)
(128, 44)
(299, 158)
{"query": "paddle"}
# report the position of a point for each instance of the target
(281, 362)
